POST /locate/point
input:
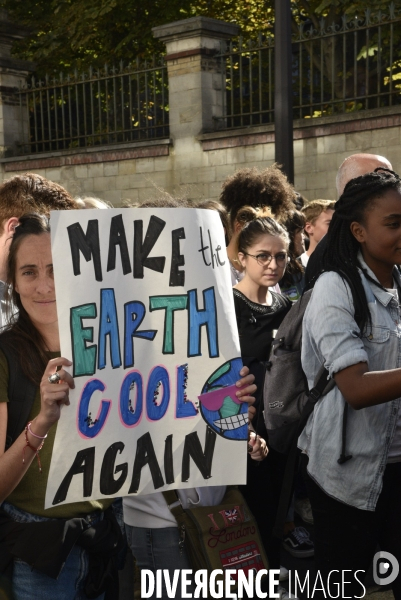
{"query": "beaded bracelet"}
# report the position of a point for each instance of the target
(35, 450)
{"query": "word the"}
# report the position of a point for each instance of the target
(211, 258)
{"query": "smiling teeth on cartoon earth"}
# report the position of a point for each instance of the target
(233, 422)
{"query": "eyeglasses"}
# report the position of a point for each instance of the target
(264, 259)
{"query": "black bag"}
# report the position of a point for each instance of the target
(288, 402)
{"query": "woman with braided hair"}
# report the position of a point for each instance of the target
(352, 441)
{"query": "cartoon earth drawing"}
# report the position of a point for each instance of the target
(227, 418)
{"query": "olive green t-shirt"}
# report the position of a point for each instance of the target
(29, 495)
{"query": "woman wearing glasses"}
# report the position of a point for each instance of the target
(263, 254)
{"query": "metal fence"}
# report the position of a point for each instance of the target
(109, 106)
(351, 65)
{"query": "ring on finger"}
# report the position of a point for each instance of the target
(54, 377)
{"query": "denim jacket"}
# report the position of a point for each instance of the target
(332, 337)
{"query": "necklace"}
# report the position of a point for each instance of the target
(258, 308)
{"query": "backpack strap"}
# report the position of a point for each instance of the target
(173, 502)
(343, 456)
(321, 387)
(21, 394)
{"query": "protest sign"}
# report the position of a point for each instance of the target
(146, 314)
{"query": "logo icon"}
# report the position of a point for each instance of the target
(385, 568)
(232, 515)
(220, 407)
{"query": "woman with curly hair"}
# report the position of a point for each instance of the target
(256, 189)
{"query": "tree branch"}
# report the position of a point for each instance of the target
(311, 15)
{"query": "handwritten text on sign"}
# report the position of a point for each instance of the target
(146, 315)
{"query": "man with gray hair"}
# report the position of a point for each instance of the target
(356, 165)
(353, 166)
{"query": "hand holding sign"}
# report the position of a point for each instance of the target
(148, 319)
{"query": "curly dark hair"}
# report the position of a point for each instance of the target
(341, 253)
(255, 188)
(299, 201)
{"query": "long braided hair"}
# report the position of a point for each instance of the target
(341, 253)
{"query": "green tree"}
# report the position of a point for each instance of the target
(333, 11)
(68, 34)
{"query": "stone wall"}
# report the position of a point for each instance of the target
(196, 167)
(199, 153)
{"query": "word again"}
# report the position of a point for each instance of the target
(145, 456)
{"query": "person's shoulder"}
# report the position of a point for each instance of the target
(239, 297)
(330, 279)
(314, 265)
(239, 302)
(7, 342)
(283, 300)
(331, 290)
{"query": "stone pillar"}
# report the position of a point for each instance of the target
(13, 73)
(196, 95)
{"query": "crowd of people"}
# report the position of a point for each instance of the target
(278, 245)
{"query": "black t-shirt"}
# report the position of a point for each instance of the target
(256, 328)
(314, 266)
(256, 323)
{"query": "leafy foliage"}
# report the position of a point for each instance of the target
(68, 34)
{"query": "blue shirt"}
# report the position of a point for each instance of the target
(332, 337)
